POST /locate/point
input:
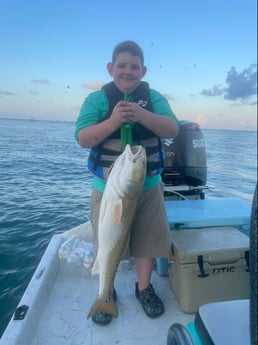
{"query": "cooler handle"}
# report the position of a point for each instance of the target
(247, 260)
(200, 263)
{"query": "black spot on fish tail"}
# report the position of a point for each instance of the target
(103, 305)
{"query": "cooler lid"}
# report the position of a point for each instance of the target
(216, 245)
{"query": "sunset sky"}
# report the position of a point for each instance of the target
(202, 55)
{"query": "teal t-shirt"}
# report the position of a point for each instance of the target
(95, 108)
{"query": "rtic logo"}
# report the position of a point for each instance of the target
(197, 143)
(221, 270)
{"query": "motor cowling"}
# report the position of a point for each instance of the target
(185, 157)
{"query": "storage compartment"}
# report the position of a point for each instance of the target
(208, 265)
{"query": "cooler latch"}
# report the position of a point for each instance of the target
(200, 263)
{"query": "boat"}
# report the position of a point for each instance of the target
(54, 307)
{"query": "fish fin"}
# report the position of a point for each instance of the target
(95, 267)
(103, 305)
(117, 212)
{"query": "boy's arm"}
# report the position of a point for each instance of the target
(93, 135)
(162, 126)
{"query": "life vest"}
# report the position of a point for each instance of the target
(102, 156)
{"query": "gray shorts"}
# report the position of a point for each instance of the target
(150, 229)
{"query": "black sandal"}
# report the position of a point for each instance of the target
(151, 303)
(103, 318)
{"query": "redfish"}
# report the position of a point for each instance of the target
(117, 210)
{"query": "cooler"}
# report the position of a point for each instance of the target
(208, 265)
(188, 214)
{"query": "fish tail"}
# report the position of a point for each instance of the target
(103, 305)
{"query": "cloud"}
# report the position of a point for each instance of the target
(94, 85)
(201, 119)
(241, 86)
(41, 81)
(6, 93)
(250, 102)
(215, 91)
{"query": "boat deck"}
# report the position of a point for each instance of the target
(62, 296)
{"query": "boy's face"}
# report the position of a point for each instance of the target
(127, 72)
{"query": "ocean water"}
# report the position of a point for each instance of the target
(45, 189)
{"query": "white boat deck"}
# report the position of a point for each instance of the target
(59, 297)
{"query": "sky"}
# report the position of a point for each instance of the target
(201, 55)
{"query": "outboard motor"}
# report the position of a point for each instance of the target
(185, 159)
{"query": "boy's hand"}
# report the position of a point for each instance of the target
(125, 112)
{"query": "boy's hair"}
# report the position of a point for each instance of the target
(130, 47)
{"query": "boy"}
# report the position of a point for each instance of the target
(128, 100)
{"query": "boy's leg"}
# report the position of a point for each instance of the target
(144, 291)
(144, 268)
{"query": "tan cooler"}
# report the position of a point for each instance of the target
(208, 265)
